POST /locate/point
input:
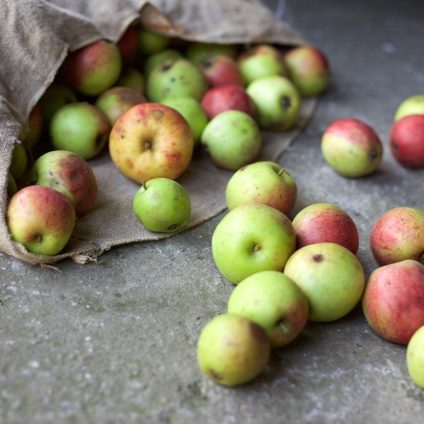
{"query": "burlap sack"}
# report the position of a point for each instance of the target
(35, 37)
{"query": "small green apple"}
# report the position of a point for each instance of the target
(262, 182)
(162, 205)
(232, 350)
(331, 277)
(197, 52)
(413, 105)
(12, 188)
(252, 238)
(55, 97)
(159, 59)
(415, 357)
(233, 139)
(193, 113)
(80, 128)
(34, 128)
(273, 301)
(277, 102)
(131, 78)
(19, 161)
(150, 42)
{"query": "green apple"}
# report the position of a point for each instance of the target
(197, 52)
(175, 78)
(159, 59)
(274, 302)
(252, 238)
(265, 183)
(40, 218)
(331, 277)
(117, 100)
(150, 42)
(55, 97)
(131, 78)
(233, 139)
(12, 188)
(413, 105)
(162, 205)
(415, 357)
(80, 128)
(69, 174)
(19, 161)
(34, 128)
(232, 350)
(261, 61)
(277, 102)
(193, 113)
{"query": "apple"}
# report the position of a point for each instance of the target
(325, 222)
(55, 97)
(80, 128)
(277, 102)
(40, 218)
(233, 139)
(197, 51)
(149, 141)
(407, 141)
(415, 357)
(69, 174)
(331, 277)
(397, 235)
(162, 205)
(413, 105)
(221, 70)
(252, 238)
(159, 59)
(274, 302)
(232, 350)
(393, 301)
(19, 161)
(94, 68)
(308, 69)
(265, 183)
(175, 78)
(127, 45)
(230, 97)
(131, 78)
(261, 61)
(351, 147)
(192, 112)
(34, 127)
(12, 188)
(151, 42)
(117, 100)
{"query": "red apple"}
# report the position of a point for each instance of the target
(221, 70)
(127, 45)
(398, 235)
(151, 140)
(407, 141)
(325, 222)
(393, 301)
(229, 97)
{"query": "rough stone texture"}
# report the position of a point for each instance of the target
(115, 342)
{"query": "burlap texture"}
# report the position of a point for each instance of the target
(35, 37)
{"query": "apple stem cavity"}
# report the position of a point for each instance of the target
(318, 258)
(285, 102)
(284, 326)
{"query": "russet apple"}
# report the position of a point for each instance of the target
(229, 97)
(221, 70)
(69, 174)
(397, 235)
(351, 147)
(232, 350)
(393, 301)
(325, 222)
(274, 302)
(151, 140)
(262, 182)
(407, 141)
(40, 218)
(252, 238)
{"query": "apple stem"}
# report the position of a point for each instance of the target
(281, 172)
(143, 184)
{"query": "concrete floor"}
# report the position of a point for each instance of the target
(115, 342)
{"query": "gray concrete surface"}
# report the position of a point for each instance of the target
(115, 342)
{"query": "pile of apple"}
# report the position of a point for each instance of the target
(288, 272)
(154, 99)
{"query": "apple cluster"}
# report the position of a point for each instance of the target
(153, 100)
(288, 272)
